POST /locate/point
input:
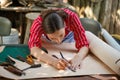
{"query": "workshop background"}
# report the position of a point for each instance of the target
(107, 12)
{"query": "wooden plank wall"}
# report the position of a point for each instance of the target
(107, 12)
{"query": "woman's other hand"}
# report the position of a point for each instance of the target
(78, 58)
(75, 62)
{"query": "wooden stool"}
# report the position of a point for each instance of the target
(30, 17)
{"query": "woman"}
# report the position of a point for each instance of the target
(58, 26)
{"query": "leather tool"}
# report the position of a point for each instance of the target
(68, 64)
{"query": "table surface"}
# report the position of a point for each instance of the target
(78, 77)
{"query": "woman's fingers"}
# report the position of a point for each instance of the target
(75, 64)
(62, 64)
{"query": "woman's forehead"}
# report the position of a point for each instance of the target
(58, 32)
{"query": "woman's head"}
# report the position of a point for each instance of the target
(53, 25)
(52, 22)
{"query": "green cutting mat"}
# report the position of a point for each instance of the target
(14, 51)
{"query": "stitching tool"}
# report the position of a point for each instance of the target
(21, 58)
(32, 66)
(14, 70)
(9, 66)
(69, 65)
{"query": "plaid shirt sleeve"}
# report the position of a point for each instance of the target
(77, 28)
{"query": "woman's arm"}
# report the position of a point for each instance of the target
(47, 58)
(81, 42)
(83, 52)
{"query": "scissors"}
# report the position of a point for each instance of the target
(28, 59)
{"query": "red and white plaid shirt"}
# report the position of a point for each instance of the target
(72, 24)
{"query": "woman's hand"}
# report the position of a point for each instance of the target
(44, 57)
(61, 64)
(76, 62)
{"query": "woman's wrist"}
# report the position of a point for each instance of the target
(54, 63)
(83, 52)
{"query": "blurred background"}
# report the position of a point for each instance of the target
(107, 12)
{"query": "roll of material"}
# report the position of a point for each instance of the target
(110, 40)
(103, 51)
